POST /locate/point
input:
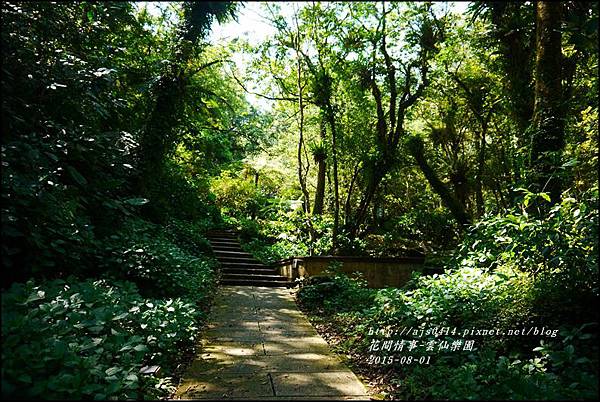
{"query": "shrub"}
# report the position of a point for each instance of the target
(73, 340)
(487, 375)
(145, 254)
(237, 196)
(559, 249)
(419, 228)
(511, 271)
(286, 235)
(335, 292)
(189, 236)
(467, 296)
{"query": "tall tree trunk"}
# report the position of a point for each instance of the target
(320, 191)
(347, 206)
(479, 179)
(457, 209)
(548, 138)
(363, 208)
(516, 46)
(477, 107)
(301, 177)
(336, 187)
(320, 158)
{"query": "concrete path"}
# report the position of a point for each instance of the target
(258, 345)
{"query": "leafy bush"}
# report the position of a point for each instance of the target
(146, 255)
(185, 198)
(189, 236)
(236, 195)
(544, 275)
(559, 248)
(285, 234)
(468, 296)
(335, 292)
(419, 228)
(565, 237)
(553, 374)
(73, 340)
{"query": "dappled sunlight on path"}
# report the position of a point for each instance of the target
(258, 345)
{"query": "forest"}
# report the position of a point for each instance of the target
(380, 129)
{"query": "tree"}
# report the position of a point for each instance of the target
(319, 152)
(158, 139)
(416, 148)
(403, 93)
(548, 138)
(513, 33)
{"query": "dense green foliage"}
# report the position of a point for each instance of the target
(416, 162)
(165, 262)
(90, 339)
(105, 276)
(386, 129)
(508, 274)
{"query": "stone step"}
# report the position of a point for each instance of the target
(231, 241)
(254, 282)
(225, 236)
(250, 271)
(225, 243)
(234, 264)
(219, 245)
(227, 248)
(253, 277)
(239, 268)
(241, 260)
(234, 260)
(241, 254)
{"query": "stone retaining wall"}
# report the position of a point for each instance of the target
(379, 272)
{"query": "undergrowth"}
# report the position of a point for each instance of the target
(544, 276)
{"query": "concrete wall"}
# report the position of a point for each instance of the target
(379, 272)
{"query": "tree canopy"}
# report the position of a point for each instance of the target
(393, 129)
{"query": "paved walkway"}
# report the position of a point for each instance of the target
(258, 345)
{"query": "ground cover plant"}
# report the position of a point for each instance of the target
(464, 132)
(506, 292)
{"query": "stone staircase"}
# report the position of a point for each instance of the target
(239, 268)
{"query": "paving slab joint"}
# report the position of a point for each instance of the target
(272, 385)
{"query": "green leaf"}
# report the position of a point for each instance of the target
(137, 201)
(35, 296)
(141, 348)
(120, 316)
(132, 377)
(77, 176)
(112, 371)
(25, 378)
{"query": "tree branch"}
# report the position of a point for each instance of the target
(274, 98)
(391, 73)
(202, 67)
